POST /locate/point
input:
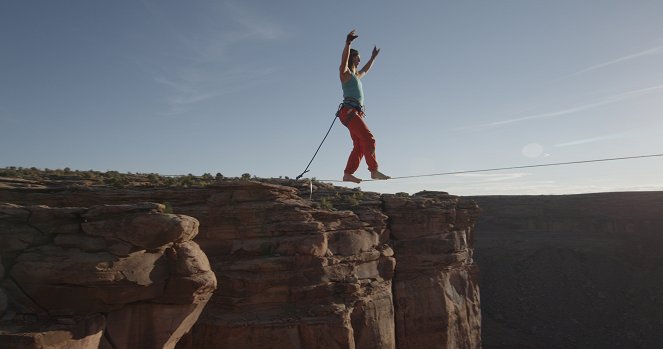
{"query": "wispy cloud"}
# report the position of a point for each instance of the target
(492, 177)
(189, 89)
(196, 67)
(592, 140)
(505, 188)
(544, 187)
(251, 25)
(601, 102)
(647, 52)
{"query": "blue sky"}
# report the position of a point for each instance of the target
(177, 87)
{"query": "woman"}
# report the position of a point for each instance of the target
(351, 112)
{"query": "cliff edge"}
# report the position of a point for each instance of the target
(347, 269)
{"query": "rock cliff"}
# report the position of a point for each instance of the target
(436, 291)
(99, 277)
(571, 271)
(346, 270)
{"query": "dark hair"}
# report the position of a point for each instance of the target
(353, 53)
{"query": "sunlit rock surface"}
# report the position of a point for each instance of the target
(106, 276)
(320, 273)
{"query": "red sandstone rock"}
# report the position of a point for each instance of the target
(68, 288)
(436, 293)
(293, 275)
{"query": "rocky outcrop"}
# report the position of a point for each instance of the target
(99, 277)
(326, 273)
(293, 276)
(571, 271)
(436, 290)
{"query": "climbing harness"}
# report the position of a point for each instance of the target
(347, 102)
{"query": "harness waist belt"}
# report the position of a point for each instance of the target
(352, 103)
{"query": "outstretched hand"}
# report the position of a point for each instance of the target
(351, 36)
(376, 51)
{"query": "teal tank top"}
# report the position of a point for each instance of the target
(353, 89)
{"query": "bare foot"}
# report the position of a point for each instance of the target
(378, 175)
(351, 178)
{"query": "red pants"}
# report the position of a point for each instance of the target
(362, 140)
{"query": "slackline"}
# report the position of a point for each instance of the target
(501, 168)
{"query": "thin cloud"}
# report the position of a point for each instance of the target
(197, 97)
(172, 84)
(606, 100)
(195, 68)
(224, 26)
(492, 177)
(250, 25)
(591, 140)
(504, 188)
(647, 52)
(543, 188)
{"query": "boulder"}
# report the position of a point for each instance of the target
(103, 277)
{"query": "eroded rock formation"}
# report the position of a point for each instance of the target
(436, 289)
(292, 276)
(326, 273)
(111, 276)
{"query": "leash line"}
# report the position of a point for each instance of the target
(316, 152)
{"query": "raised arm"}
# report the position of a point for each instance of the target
(369, 64)
(344, 70)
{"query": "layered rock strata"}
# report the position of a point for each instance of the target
(292, 276)
(436, 291)
(299, 273)
(100, 277)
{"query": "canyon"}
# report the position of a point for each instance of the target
(311, 265)
(571, 271)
